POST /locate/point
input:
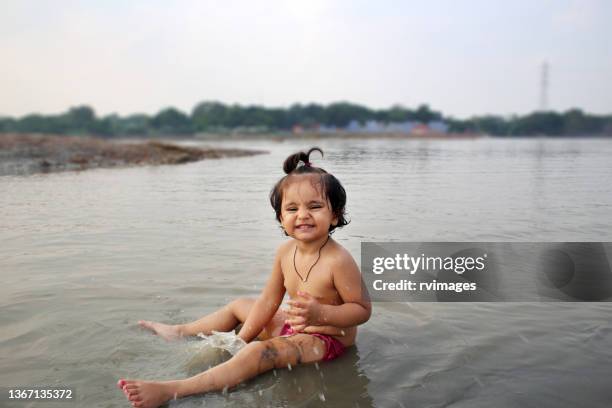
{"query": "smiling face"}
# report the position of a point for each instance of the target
(305, 214)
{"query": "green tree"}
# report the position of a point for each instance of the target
(490, 124)
(207, 115)
(341, 114)
(80, 118)
(577, 123)
(396, 113)
(172, 121)
(134, 125)
(424, 114)
(540, 123)
(7, 124)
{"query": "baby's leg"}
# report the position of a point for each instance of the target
(223, 320)
(256, 358)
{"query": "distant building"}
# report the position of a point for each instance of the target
(408, 127)
(327, 129)
(401, 127)
(420, 129)
(438, 126)
(353, 126)
(374, 127)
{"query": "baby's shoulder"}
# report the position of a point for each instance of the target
(339, 256)
(283, 249)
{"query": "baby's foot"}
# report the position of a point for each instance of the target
(147, 394)
(166, 331)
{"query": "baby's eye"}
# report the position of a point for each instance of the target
(315, 206)
(291, 209)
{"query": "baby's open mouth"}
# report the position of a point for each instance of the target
(304, 226)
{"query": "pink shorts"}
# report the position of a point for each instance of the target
(333, 347)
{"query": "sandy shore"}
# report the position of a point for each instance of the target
(22, 154)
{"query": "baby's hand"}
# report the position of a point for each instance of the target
(304, 311)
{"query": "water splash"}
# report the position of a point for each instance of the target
(228, 341)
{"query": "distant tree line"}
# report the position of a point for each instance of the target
(216, 117)
(573, 122)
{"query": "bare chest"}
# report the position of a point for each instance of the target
(317, 281)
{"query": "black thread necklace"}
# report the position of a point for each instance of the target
(313, 265)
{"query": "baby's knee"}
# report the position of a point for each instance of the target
(269, 354)
(280, 352)
(254, 354)
(240, 307)
(241, 302)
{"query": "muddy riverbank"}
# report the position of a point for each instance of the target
(22, 154)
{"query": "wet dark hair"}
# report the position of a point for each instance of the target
(299, 164)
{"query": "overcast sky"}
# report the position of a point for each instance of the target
(460, 57)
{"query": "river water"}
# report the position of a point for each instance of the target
(84, 255)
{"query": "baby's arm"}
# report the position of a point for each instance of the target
(355, 310)
(266, 305)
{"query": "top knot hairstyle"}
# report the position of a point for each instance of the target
(299, 164)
